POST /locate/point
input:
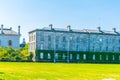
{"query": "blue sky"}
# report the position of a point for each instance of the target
(80, 14)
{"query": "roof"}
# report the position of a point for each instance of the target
(8, 32)
(93, 31)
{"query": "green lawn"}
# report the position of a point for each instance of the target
(58, 71)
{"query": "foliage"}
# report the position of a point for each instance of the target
(10, 54)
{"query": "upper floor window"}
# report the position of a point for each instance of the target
(41, 46)
(41, 38)
(107, 48)
(64, 39)
(49, 38)
(0, 42)
(10, 43)
(106, 41)
(78, 39)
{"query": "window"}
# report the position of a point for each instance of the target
(64, 39)
(56, 56)
(63, 46)
(93, 56)
(113, 57)
(10, 43)
(84, 56)
(41, 55)
(106, 57)
(77, 39)
(78, 57)
(41, 38)
(49, 46)
(93, 48)
(0, 42)
(41, 46)
(34, 37)
(77, 47)
(119, 57)
(49, 56)
(49, 38)
(70, 56)
(106, 48)
(106, 41)
(63, 56)
(100, 57)
(113, 49)
(100, 48)
(56, 46)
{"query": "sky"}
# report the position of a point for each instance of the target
(80, 14)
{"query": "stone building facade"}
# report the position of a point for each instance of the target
(56, 44)
(8, 37)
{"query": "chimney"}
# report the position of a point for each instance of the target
(2, 29)
(50, 26)
(19, 30)
(99, 29)
(68, 27)
(10, 28)
(114, 30)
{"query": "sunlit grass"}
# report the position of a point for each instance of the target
(58, 71)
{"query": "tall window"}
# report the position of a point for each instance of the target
(78, 40)
(41, 38)
(0, 42)
(78, 57)
(49, 38)
(113, 57)
(41, 46)
(107, 48)
(56, 55)
(63, 56)
(119, 57)
(64, 39)
(70, 56)
(100, 57)
(93, 56)
(84, 56)
(41, 55)
(106, 57)
(10, 43)
(49, 56)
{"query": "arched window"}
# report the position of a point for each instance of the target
(10, 43)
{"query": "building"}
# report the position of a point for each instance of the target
(22, 45)
(69, 45)
(8, 37)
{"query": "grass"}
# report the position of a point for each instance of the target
(58, 71)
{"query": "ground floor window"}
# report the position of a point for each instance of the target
(100, 57)
(41, 55)
(49, 56)
(70, 56)
(93, 56)
(63, 56)
(56, 55)
(84, 56)
(106, 57)
(113, 57)
(78, 57)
